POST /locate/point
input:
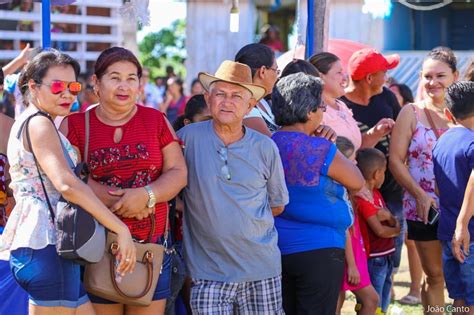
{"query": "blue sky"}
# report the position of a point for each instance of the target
(163, 12)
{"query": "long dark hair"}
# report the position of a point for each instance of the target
(37, 68)
(444, 54)
(323, 61)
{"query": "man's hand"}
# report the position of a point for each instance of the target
(383, 127)
(460, 243)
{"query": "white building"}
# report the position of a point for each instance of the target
(96, 25)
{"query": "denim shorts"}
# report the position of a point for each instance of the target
(48, 279)
(162, 291)
(459, 277)
(380, 271)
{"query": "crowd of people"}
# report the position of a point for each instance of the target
(283, 188)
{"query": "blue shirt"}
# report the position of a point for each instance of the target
(317, 215)
(453, 159)
(229, 233)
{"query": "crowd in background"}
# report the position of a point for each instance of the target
(284, 188)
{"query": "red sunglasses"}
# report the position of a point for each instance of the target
(58, 87)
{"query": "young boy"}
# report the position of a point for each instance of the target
(453, 157)
(378, 226)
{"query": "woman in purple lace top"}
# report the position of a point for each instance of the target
(312, 229)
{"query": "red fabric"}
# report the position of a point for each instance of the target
(374, 246)
(180, 104)
(342, 48)
(134, 162)
(368, 60)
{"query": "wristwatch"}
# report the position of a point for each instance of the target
(151, 197)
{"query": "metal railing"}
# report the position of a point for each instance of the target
(82, 37)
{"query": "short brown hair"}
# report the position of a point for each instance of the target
(112, 55)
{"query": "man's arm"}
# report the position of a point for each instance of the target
(276, 185)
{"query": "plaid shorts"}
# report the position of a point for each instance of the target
(254, 297)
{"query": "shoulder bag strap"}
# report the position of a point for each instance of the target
(28, 139)
(153, 224)
(431, 122)
(87, 128)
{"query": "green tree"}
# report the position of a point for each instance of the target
(165, 47)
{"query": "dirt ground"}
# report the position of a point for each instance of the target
(402, 286)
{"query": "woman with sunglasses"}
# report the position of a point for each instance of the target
(136, 164)
(312, 229)
(53, 283)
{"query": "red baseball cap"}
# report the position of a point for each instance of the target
(368, 60)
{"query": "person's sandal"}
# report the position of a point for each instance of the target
(410, 300)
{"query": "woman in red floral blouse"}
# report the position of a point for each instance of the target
(135, 161)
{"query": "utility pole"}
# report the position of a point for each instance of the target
(318, 25)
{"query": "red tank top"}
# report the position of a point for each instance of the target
(135, 161)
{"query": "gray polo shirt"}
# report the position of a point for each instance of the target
(229, 232)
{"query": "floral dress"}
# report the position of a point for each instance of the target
(30, 224)
(420, 165)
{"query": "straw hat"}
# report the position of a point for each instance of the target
(234, 73)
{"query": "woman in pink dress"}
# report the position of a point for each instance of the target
(414, 135)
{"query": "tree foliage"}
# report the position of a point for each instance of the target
(165, 47)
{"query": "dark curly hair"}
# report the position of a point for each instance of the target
(460, 99)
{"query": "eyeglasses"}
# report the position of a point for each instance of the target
(58, 87)
(323, 107)
(225, 169)
(277, 71)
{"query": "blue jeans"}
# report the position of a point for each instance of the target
(380, 271)
(49, 280)
(459, 277)
(396, 208)
(178, 275)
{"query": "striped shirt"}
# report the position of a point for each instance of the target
(136, 161)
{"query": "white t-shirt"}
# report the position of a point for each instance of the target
(266, 115)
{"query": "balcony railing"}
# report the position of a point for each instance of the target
(89, 36)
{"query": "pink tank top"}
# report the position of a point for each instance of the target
(420, 164)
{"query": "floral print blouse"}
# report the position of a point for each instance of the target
(30, 224)
(420, 165)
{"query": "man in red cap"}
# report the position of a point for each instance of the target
(375, 108)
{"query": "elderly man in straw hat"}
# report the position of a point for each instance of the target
(235, 186)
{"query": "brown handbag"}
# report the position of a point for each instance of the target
(136, 288)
